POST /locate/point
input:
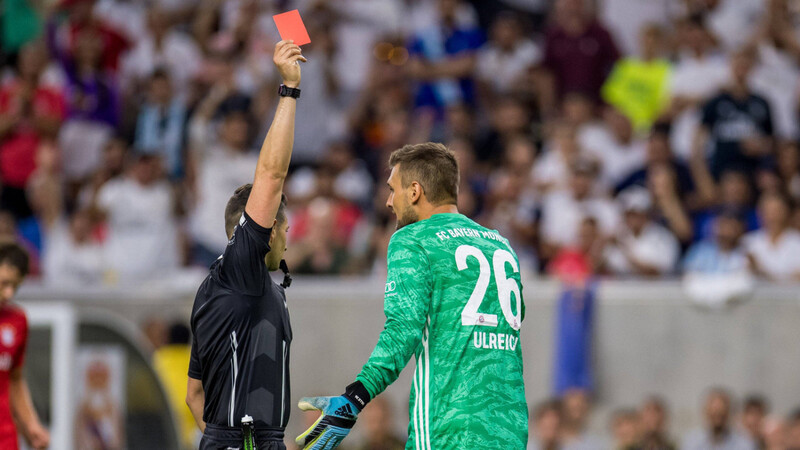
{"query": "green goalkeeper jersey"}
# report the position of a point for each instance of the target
(453, 300)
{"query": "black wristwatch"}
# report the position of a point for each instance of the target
(286, 91)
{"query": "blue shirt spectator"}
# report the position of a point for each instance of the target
(161, 125)
(722, 253)
(443, 58)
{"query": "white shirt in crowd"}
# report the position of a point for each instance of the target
(142, 238)
(734, 22)
(178, 54)
(66, 262)
(617, 160)
(562, 215)
(701, 440)
(502, 69)
(781, 260)
(625, 19)
(695, 78)
(654, 246)
(776, 79)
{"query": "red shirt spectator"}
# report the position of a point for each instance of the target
(80, 19)
(579, 52)
(25, 105)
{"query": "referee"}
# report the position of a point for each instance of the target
(240, 350)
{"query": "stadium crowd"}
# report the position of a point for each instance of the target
(643, 138)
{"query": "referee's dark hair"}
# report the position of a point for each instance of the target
(433, 166)
(14, 255)
(236, 206)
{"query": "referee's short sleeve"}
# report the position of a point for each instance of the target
(195, 369)
(242, 267)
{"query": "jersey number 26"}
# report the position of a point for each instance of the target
(505, 287)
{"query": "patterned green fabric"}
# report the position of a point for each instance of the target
(453, 300)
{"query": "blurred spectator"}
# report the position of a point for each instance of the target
(774, 250)
(161, 47)
(641, 247)
(722, 253)
(698, 74)
(626, 19)
(615, 145)
(546, 429)
(73, 256)
(732, 22)
(575, 264)
(161, 124)
(754, 412)
(376, 420)
(663, 183)
(719, 433)
(171, 362)
(639, 86)
(626, 429)
(142, 238)
(576, 405)
(655, 418)
(775, 434)
(472, 183)
(443, 59)
(29, 113)
(735, 193)
(793, 430)
(775, 76)
(737, 122)
(325, 114)
(78, 19)
(659, 158)
(564, 210)
(352, 180)
(221, 164)
(788, 167)
(508, 55)
(510, 205)
(578, 51)
(320, 233)
(509, 118)
(561, 151)
(93, 105)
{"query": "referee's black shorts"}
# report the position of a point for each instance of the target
(225, 438)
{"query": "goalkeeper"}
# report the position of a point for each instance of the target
(453, 301)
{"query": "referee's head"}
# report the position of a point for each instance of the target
(277, 240)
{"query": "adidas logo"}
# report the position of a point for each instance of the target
(345, 411)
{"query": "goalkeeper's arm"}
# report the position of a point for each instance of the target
(406, 305)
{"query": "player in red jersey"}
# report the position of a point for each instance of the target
(15, 398)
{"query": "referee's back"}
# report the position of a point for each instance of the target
(241, 335)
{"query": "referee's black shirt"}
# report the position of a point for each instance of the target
(240, 347)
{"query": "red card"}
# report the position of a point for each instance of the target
(290, 26)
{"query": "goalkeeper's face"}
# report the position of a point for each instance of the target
(400, 200)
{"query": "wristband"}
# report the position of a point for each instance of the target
(286, 91)
(357, 394)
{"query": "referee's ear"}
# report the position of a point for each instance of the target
(273, 231)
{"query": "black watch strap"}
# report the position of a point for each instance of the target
(286, 91)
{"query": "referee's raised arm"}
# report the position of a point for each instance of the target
(273, 161)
